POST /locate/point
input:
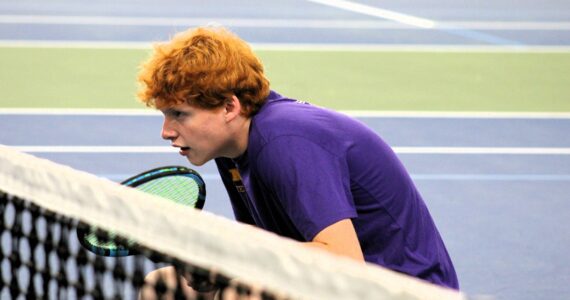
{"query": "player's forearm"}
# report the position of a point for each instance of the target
(347, 251)
(339, 238)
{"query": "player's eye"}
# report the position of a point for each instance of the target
(174, 113)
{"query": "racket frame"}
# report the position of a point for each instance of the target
(133, 182)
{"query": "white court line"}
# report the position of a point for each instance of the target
(325, 47)
(123, 176)
(353, 113)
(399, 150)
(419, 22)
(417, 177)
(75, 44)
(483, 150)
(190, 22)
(300, 47)
(282, 23)
(95, 149)
(79, 111)
(378, 12)
(456, 114)
(507, 25)
(229, 22)
(491, 177)
(410, 48)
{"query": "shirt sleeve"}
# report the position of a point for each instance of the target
(311, 183)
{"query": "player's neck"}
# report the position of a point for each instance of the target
(241, 138)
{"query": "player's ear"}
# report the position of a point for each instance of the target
(232, 108)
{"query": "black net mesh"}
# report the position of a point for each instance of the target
(41, 258)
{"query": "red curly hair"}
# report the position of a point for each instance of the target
(204, 67)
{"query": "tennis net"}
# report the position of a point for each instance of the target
(43, 204)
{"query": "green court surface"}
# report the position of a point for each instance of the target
(348, 80)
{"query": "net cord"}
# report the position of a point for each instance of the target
(204, 239)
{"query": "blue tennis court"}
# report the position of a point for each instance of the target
(497, 185)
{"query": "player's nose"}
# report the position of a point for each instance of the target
(168, 132)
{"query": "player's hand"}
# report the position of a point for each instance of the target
(170, 277)
(201, 284)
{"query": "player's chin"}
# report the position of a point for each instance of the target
(197, 161)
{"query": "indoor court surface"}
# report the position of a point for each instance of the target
(494, 172)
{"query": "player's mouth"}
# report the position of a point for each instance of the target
(184, 151)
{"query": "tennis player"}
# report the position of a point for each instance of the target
(289, 167)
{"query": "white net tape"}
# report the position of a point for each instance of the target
(203, 239)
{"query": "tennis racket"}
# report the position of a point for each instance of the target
(179, 184)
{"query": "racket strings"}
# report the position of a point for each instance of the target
(175, 184)
(178, 188)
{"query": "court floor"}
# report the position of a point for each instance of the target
(497, 185)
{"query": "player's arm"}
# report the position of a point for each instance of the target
(339, 238)
(170, 278)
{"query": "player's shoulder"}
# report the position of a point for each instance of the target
(280, 106)
(286, 117)
(281, 112)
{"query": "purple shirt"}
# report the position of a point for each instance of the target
(307, 168)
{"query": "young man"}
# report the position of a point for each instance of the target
(300, 171)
